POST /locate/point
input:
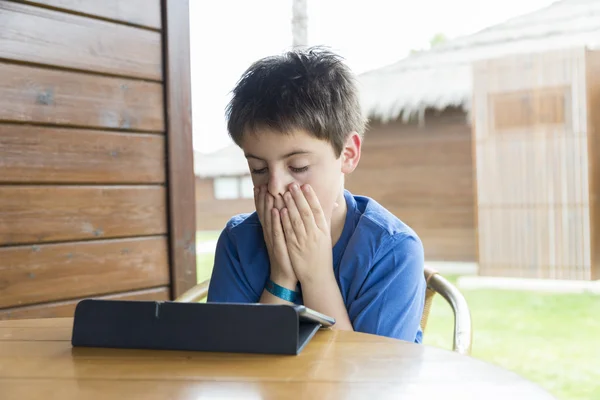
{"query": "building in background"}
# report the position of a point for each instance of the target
(418, 155)
(223, 187)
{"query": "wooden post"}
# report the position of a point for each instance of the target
(181, 193)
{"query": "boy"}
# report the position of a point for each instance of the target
(298, 120)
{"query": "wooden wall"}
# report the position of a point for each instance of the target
(535, 133)
(424, 175)
(85, 129)
(592, 76)
(213, 214)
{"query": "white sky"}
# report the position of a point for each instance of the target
(228, 35)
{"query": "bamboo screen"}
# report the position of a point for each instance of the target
(531, 157)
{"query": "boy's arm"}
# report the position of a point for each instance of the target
(391, 299)
(227, 283)
(308, 240)
(323, 295)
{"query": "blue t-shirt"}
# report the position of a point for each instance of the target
(378, 264)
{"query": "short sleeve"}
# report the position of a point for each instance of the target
(390, 302)
(227, 282)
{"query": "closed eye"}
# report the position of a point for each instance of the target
(299, 170)
(259, 171)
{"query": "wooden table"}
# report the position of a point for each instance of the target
(37, 361)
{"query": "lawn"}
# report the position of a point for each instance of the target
(204, 261)
(551, 339)
(204, 265)
(206, 236)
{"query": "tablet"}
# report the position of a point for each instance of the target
(309, 315)
(166, 325)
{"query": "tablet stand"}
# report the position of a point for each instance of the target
(212, 327)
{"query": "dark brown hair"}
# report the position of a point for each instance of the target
(309, 89)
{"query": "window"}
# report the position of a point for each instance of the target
(247, 187)
(233, 187)
(226, 188)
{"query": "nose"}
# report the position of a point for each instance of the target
(277, 186)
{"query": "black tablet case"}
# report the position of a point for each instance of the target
(213, 327)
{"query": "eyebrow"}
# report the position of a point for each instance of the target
(293, 153)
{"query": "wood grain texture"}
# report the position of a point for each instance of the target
(524, 108)
(334, 364)
(593, 155)
(42, 36)
(95, 389)
(47, 96)
(37, 274)
(38, 214)
(181, 176)
(426, 186)
(474, 163)
(424, 176)
(67, 308)
(34, 154)
(138, 12)
(532, 158)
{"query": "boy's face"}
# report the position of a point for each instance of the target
(277, 160)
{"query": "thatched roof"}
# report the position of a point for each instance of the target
(228, 161)
(442, 77)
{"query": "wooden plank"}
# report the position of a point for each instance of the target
(67, 308)
(585, 121)
(136, 12)
(42, 36)
(554, 238)
(527, 145)
(421, 218)
(544, 213)
(36, 274)
(483, 164)
(448, 245)
(560, 206)
(420, 185)
(475, 164)
(179, 141)
(593, 153)
(377, 154)
(38, 214)
(39, 95)
(35, 154)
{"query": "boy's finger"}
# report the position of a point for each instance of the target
(288, 229)
(258, 204)
(267, 206)
(258, 201)
(303, 206)
(315, 206)
(279, 245)
(293, 214)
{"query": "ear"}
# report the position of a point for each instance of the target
(351, 153)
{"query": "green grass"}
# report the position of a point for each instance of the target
(204, 265)
(204, 261)
(206, 236)
(550, 339)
